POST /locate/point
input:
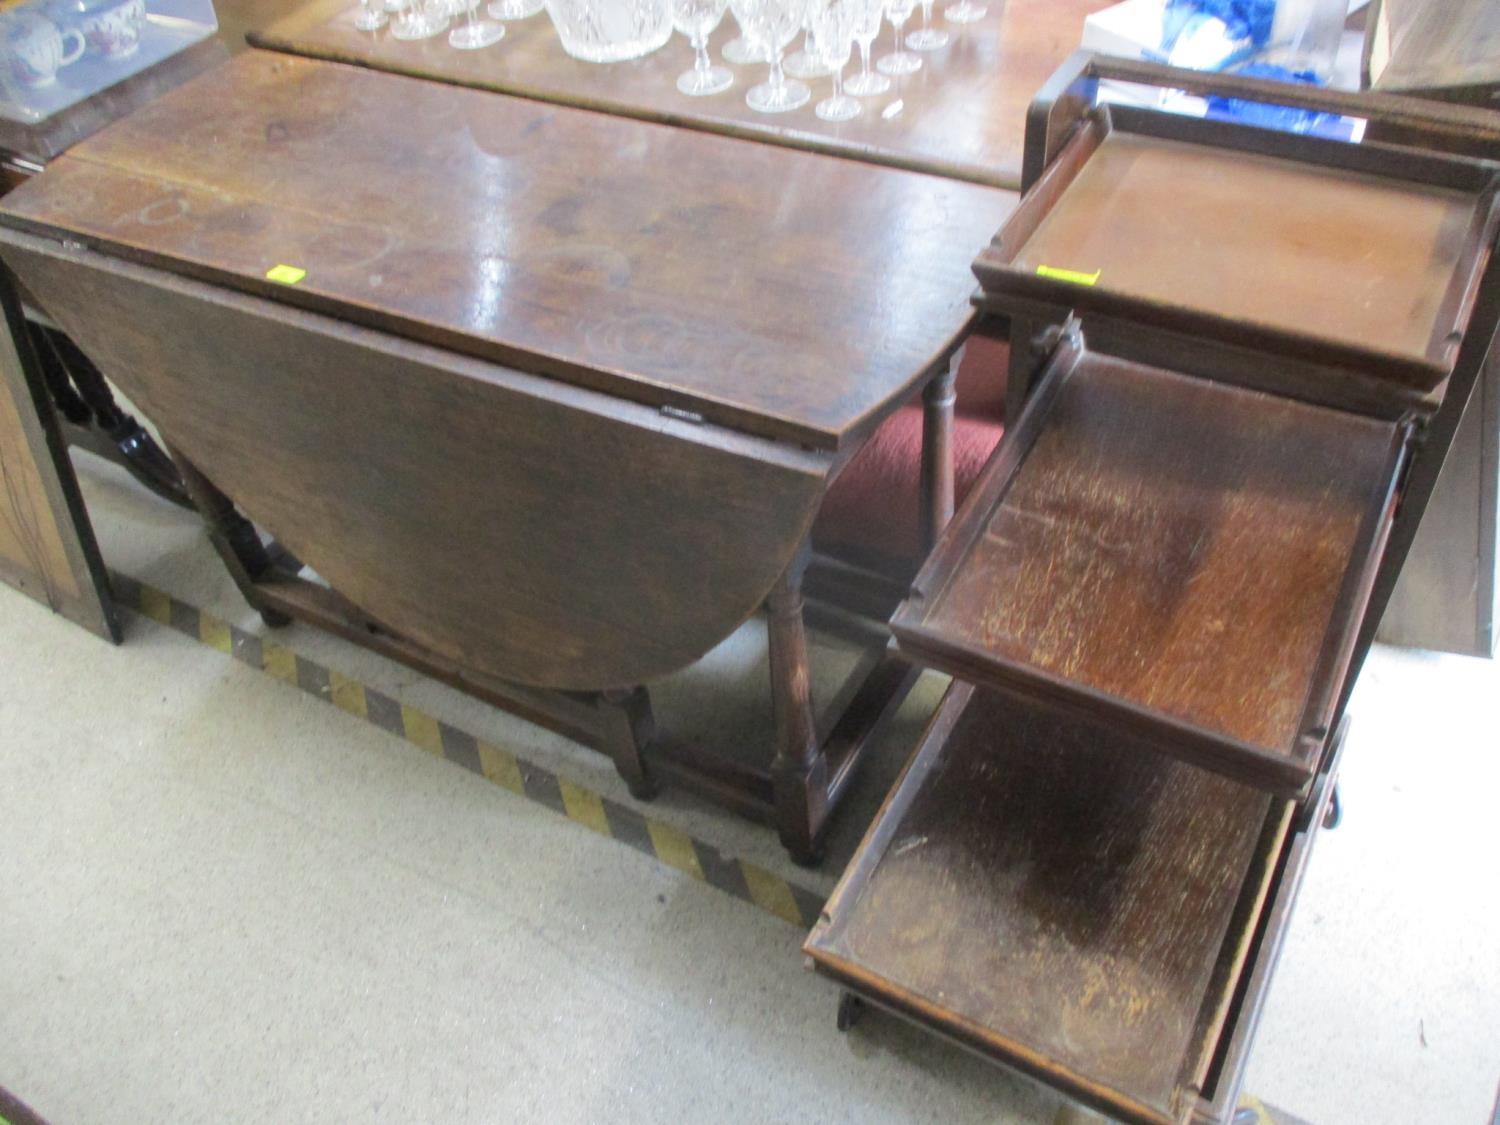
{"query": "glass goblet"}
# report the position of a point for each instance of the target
(474, 32)
(371, 16)
(420, 20)
(697, 19)
(514, 9)
(868, 15)
(927, 37)
(743, 50)
(806, 63)
(833, 39)
(397, 5)
(965, 11)
(773, 23)
(901, 61)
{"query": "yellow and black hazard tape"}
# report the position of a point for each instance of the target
(740, 878)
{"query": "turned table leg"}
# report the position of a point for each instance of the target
(799, 773)
(937, 452)
(233, 536)
(629, 726)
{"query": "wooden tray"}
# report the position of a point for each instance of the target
(1285, 245)
(1041, 891)
(1187, 558)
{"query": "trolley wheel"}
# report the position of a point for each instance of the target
(1334, 813)
(851, 1007)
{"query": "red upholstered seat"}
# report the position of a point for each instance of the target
(869, 516)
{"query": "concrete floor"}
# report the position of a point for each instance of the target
(223, 900)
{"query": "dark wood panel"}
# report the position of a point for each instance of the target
(1181, 225)
(47, 547)
(780, 292)
(1050, 893)
(1187, 551)
(529, 530)
(962, 115)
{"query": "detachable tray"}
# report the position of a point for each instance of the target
(1044, 894)
(1185, 558)
(1282, 244)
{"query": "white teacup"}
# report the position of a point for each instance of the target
(35, 48)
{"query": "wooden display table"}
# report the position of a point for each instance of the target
(960, 115)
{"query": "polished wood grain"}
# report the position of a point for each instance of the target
(1189, 551)
(961, 116)
(1180, 224)
(1051, 894)
(777, 292)
(533, 531)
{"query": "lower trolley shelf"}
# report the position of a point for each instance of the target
(1046, 893)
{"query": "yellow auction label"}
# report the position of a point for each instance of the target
(285, 275)
(1074, 276)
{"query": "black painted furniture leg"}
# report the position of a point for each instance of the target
(233, 536)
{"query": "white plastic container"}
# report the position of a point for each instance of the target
(55, 53)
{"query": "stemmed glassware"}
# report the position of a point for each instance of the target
(807, 63)
(965, 11)
(901, 61)
(474, 32)
(371, 16)
(514, 9)
(773, 23)
(927, 38)
(833, 39)
(420, 19)
(867, 18)
(743, 49)
(697, 19)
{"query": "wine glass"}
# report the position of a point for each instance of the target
(773, 24)
(867, 18)
(474, 32)
(807, 63)
(420, 20)
(743, 50)
(833, 39)
(371, 16)
(965, 11)
(927, 38)
(697, 19)
(514, 9)
(902, 61)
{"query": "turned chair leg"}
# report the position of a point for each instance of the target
(233, 536)
(799, 773)
(629, 726)
(937, 487)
